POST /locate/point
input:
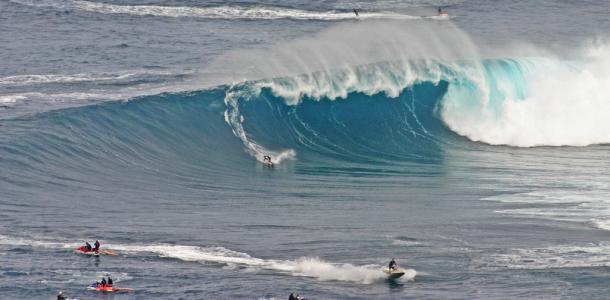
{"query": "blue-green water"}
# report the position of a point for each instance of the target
(473, 149)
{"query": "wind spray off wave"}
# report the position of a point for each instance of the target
(517, 101)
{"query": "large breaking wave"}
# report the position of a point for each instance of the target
(368, 92)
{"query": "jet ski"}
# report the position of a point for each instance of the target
(85, 251)
(394, 273)
(107, 289)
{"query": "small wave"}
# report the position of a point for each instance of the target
(215, 12)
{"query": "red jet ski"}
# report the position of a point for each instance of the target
(93, 252)
(85, 251)
(108, 289)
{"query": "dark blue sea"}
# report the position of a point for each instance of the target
(473, 148)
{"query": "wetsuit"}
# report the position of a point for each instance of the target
(109, 281)
(392, 265)
(97, 246)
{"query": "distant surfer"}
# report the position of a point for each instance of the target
(60, 296)
(392, 266)
(267, 161)
(440, 10)
(291, 297)
(356, 12)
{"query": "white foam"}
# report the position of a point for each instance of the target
(584, 206)
(593, 255)
(565, 104)
(406, 243)
(601, 223)
(304, 266)
(236, 120)
(215, 12)
(8, 99)
(28, 79)
(17, 241)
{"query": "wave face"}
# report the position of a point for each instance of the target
(394, 110)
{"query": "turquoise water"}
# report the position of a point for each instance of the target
(473, 149)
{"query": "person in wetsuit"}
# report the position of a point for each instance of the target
(356, 12)
(88, 246)
(392, 266)
(97, 246)
(103, 283)
(60, 296)
(109, 281)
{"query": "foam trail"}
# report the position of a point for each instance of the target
(216, 12)
(29, 79)
(16, 241)
(304, 266)
(235, 120)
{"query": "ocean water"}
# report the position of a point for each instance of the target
(472, 148)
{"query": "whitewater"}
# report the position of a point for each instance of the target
(471, 148)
